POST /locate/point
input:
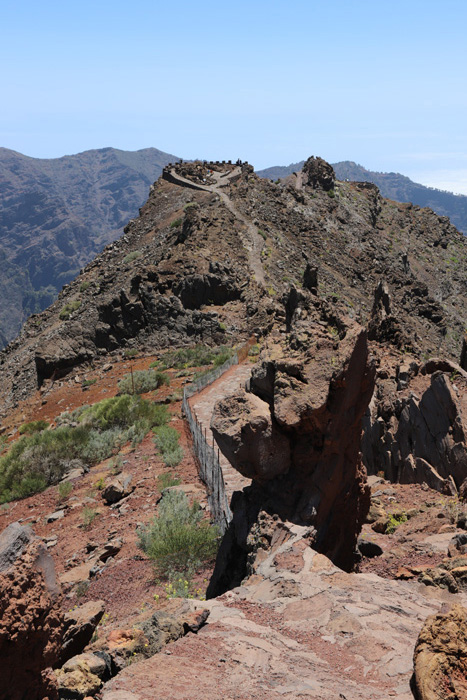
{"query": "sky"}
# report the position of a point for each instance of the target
(380, 83)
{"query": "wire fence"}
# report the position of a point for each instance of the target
(210, 469)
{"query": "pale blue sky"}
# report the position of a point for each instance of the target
(382, 83)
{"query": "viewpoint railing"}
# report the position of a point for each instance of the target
(210, 469)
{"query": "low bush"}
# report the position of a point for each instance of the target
(165, 481)
(35, 426)
(166, 439)
(142, 381)
(68, 309)
(88, 515)
(199, 356)
(122, 411)
(176, 223)
(395, 519)
(178, 539)
(90, 434)
(132, 256)
(35, 461)
(64, 490)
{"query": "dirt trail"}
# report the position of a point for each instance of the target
(251, 239)
(202, 405)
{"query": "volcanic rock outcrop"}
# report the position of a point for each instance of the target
(416, 426)
(212, 264)
(297, 435)
(319, 174)
(30, 617)
(440, 658)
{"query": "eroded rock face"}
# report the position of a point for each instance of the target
(416, 427)
(440, 658)
(319, 173)
(297, 435)
(30, 616)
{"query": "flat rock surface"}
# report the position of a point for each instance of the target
(299, 627)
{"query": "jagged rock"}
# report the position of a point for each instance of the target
(368, 548)
(30, 616)
(310, 278)
(80, 624)
(300, 444)
(419, 471)
(419, 437)
(440, 657)
(383, 326)
(319, 174)
(109, 549)
(117, 489)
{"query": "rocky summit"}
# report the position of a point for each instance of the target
(309, 398)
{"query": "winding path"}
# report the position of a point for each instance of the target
(251, 239)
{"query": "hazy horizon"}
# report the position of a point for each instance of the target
(382, 85)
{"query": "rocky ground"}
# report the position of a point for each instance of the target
(324, 579)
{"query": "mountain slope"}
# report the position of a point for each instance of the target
(57, 214)
(393, 186)
(215, 259)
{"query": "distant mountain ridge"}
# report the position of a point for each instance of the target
(393, 186)
(57, 214)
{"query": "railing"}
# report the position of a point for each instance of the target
(210, 469)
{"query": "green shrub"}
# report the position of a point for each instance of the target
(122, 411)
(199, 356)
(395, 519)
(166, 439)
(84, 285)
(64, 490)
(165, 481)
(131, 352)
(132, 256)
(35, 426)
(37, 460)
(68, 309)
(176, 223)
(142, 381)
(178, 539)
(101, 445)
(88, 382)
(88, 515)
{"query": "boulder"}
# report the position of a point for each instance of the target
(319, 174)
(440, 657)
(117, 489)
(77, 684)
(80, 624)
(31, 619)
(248, 437)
